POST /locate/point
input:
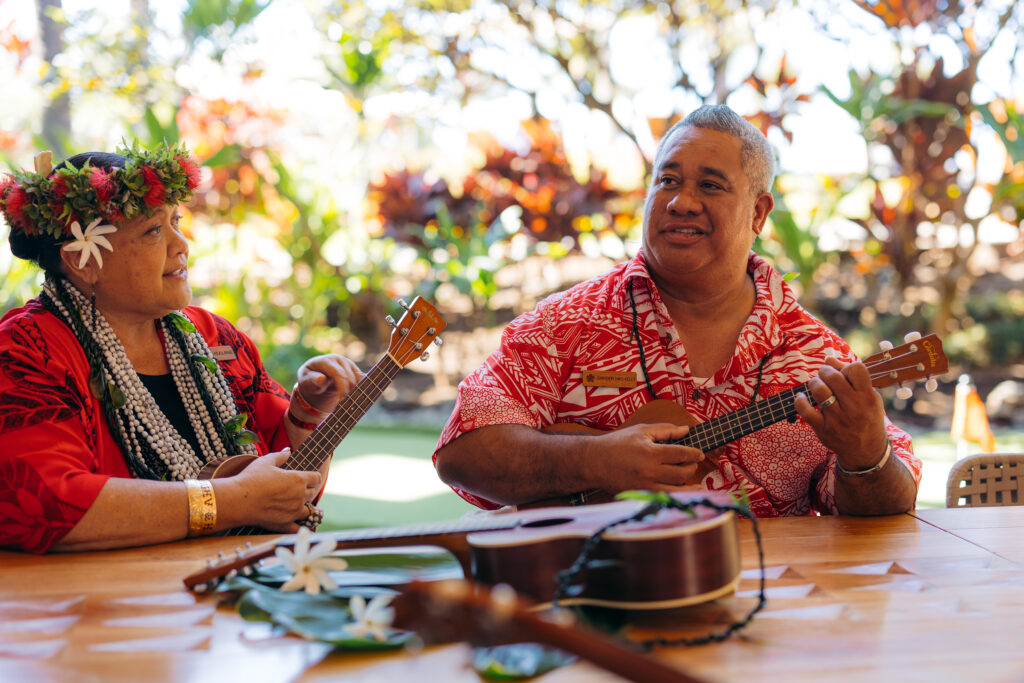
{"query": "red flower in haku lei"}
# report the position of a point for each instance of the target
(5, 184)
(60, 188)
(14, 202)
(191, 170)
(155, 195)
(102, 183)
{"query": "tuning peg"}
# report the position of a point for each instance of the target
(201, 587)
(415, 315)
(248, 545)
(885, 345)
(390, 321)
(431, 331)
(403, 331)
(246, 570)
(418, 346)
(425, 356)
(233, 573)
(437, 341)
(904, 392)
(931, 385)
(401, 302)
(910, 337)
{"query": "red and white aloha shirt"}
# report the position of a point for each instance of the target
(56, 449)
(535, 379)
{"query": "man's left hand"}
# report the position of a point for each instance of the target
(853, 424)
(324, 380)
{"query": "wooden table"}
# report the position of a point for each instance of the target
(932, 595)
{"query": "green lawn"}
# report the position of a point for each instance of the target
(383, 476)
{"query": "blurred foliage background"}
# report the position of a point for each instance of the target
(484, 153)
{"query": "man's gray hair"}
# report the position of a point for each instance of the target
(755, 153)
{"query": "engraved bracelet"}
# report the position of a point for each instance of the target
(202, 507)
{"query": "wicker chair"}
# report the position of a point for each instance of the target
(986, 480)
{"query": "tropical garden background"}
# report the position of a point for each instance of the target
(484, 153)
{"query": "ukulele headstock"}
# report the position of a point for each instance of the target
(919, 358)
(418, 326)
(227, 565)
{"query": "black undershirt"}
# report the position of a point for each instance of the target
(165, 392)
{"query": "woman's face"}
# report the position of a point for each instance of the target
(146, 275)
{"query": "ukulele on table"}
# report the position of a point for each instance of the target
(919, 358)
(668, 560)
(419, 325)
(449, 611)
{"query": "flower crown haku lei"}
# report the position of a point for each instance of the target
(59, 203)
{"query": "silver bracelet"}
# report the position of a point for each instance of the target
(871, 470)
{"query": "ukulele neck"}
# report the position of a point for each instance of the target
(320, 444)
(707, 436)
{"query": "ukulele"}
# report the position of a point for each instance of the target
(418, 326)
(449, 611)
(668, 560)
(919, 358)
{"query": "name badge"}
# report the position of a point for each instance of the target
(222, 353)
(604, 378)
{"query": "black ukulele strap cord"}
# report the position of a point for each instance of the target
(565, 578)
(639, 344)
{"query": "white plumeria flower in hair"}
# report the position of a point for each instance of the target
(371, 619)
(90, 241)
(309, 567)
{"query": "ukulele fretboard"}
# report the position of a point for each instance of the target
(320, 444)
(707, 436)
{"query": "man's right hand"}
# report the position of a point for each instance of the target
(633, 458)
(265, 495)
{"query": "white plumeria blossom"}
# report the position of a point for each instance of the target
(309, 566)
(371, 619)
(90, 241)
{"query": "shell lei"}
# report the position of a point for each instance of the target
(155, 448)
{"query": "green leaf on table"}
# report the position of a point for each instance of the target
(646, 496)
(518, 661)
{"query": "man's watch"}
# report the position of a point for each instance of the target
(870, 470)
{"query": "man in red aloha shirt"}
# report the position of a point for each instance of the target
(697, 319)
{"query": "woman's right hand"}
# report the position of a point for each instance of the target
(265, 495)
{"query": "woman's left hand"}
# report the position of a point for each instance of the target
(325, 380)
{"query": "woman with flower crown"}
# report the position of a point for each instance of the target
(115, 392)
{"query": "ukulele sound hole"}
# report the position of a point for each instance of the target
(553, 521)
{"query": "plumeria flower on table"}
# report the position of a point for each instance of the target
(90, 241)
(309, 566)
(373, 619)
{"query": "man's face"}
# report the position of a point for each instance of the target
(700, 216)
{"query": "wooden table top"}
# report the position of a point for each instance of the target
(932, 595)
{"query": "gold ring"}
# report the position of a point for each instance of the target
(827, 402)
